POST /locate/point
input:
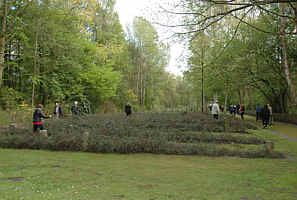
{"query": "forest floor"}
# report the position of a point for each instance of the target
(35, 175)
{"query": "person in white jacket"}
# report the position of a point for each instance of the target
(215, 110)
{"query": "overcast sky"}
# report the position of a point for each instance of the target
(128, 9)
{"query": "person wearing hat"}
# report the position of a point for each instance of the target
(37, 119)
(75, 109)
(215, 110)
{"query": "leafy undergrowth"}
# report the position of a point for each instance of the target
(160, 133)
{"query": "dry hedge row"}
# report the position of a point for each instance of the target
(166, 133)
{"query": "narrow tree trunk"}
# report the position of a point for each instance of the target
(251, 99)
(243, 95)
(138, 82)
(285, 58)
(239, 95)
(35, 68)
(295, 12)
(225, 106)
(2, 40)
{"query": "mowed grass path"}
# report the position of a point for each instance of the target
(38, 175)
(289, 130)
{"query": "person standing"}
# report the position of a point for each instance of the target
(210, 107)
(37, 119)
(128, 109)
(215, 110)
(234, 111)
(270, 116)
(258, 112)
(58, 111)
(75, 109)
(238, 109)
(265, 116)
(242, 110)
(231, 109)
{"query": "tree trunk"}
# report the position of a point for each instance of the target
(295, 12)
(243, 95)
(251, 99)
(35, 69)
(2, 40)
(285, 58)
(239, 95)
(225, 106)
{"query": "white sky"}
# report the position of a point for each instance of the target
(128, 9)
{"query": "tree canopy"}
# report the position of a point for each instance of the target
(77, 50)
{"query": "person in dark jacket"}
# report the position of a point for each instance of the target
(231, 109)
(258, 112)
(238, 109)
(128, 109)
(37, 119)
(58, 111)
(265, 116)
(75, 109)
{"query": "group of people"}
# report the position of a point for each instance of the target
(264, 113)
(215, 108)
(38, 114)
(238, 109)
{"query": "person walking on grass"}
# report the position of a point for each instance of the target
(242, 110)
(58, 111)
(128, 109)
(258, 112)
(238, 109)
(231, 109)
(270, 116)
(234, 111)
(215, 110)
(265, 116)
(37, 119)
(75, 109)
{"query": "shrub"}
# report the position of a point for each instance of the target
(143, 133)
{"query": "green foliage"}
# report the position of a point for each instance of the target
(240, 63)
(78, 51)
(9, 98)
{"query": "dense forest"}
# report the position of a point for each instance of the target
(77, 50)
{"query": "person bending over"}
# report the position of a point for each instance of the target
(37, 119)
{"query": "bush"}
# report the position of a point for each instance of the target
(284, 117)
(143, 133)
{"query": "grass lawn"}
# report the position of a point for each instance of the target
(39, 175)
(283, 128)
(286, 129)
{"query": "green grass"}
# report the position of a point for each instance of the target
(87, 176)
(283, 128)
(288, 130)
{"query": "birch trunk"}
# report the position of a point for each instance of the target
(284, 56)
(251, 99)
(2, 40)
(35, 69)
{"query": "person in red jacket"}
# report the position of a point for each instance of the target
(242, 110)
(37, 119)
